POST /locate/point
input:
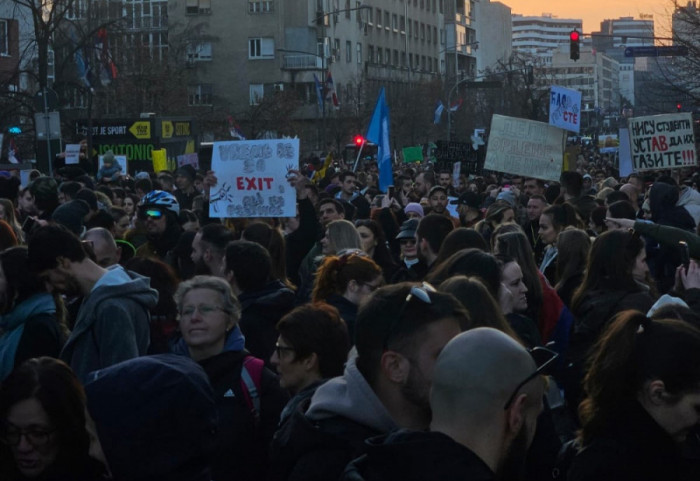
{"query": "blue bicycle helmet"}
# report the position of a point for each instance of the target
(160, 198)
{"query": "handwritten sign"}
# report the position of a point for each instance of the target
(188, 159)
(525, 147)
(252, 177)
(662, 142)
(72, 154)
(565, 108)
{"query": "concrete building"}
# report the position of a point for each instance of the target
(459, 53)
(629, 31)
(541, 35)
(496, 35)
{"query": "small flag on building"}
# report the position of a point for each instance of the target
(456, 105)
(330, 91)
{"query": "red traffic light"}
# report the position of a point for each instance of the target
(679, 107)
(575, 36)
(359, 140)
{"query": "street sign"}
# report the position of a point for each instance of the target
(141, 130)
(651, 51)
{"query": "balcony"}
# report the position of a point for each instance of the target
(302, 62)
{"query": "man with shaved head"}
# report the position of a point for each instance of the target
(486, 396)
(105, 248)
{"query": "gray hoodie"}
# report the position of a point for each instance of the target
(113, 323)
(690, 200)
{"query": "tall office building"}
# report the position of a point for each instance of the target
(541, 35)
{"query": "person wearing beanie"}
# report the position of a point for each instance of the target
(72, 215)
(110, 170)
(414, 210)
(184, 180)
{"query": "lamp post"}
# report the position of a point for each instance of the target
(457, 82)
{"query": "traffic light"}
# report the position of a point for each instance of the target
(574, 44)
(359, 140)
(678, 107)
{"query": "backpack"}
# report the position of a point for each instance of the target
(251, 380)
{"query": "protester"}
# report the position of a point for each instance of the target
(498, 213)
(412, 267)
(375, 246)
(573, 246)
(208, 249)
(158, 211)
(273, 241)
(552, 221)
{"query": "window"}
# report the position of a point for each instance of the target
(336, 49)
(435, 35)
(348, 51)
(395, 22)
(261, 48)
(258, 6)
(379, 17)
(194, 7)
(358, 53)
(199, 51)
(199, 94)
(347, 9)
(370, 53)
(387, 56)
(4, 38)
(422, 31)
(386, 20)
(396, 58)
(430, 37)
(257, 92)
(415, 28)
(379, 55)
(402, 24)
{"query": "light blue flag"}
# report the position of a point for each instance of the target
(378, 133)
(319, 95)
(438, 112)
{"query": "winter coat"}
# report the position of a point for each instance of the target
(417, 455)
(29, 330)
(113, 323)
(689, 199)
(347, 310)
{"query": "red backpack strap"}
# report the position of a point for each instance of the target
(251, 380)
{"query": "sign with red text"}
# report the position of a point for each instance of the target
(662, 142)
(252, 178)
(525, 147)
(565, 108)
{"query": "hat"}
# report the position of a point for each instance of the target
(142, 175)
(108, 158)
(187, 171)
(71, 215)
(435, 188)
(507, 196)
(408, 229)
(414, 207)
(587, 176)
(470, 199)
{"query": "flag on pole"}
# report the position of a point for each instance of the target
(234, 129)
(81, 62)
(108, 71)
(330, 91)
(319, 95)
(378, 133)
(12, 152)
(456, 105)
(438, 112)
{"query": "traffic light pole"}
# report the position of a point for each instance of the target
(359, 153)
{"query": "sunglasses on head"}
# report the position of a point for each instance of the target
(544, 360)
(422, 293)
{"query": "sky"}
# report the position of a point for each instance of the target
(594, 11)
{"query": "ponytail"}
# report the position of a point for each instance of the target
(335, 273)
(327, 278)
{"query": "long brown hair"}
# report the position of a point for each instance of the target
(335, 273)
(573, 246)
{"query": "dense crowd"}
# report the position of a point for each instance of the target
(455, 327)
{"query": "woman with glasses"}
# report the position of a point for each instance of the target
(642, 401)
(312, 347)
(344, 282)
(249, 398)
(31, 325)
(43, 432)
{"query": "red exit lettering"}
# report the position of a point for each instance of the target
(253, 183)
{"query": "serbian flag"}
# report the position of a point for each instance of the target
(438, 112)
(234, 129)
(330, 91)
(108, 70)
(456, 105)
(378, 133)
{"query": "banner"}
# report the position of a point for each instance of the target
(412, 154)
(565, 108)
(73, 154)
(662, 142)
(252, 178)
(608, 144)
(525, 147)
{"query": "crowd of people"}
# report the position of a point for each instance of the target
(474, 327)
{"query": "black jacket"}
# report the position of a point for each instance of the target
(347, 310)
(417, 455)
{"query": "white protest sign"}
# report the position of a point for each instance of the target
(662, 142)
(252, 178)
(625, 155)
(525, 147)
(565, 108)
(72, 154)
(456, 170)
(188, 159)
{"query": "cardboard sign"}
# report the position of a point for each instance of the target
(662, 142)
(72, 154)
(525, 147)
(565, 108)
(252, 178)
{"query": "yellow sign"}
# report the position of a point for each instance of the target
(166, 127)
(141, 130)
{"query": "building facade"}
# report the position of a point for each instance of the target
(540, 36)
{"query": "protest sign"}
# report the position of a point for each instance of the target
(608, 144)
(188, 159)
(447, 153)
(525, 147)
(625, 156)
(72, 154)
(662, 142)
(252, 178)
(412, 154)
(565, 108)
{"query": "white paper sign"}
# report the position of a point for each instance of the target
(72, 154)
(525, 147)
(252, 178)
(188, 159)
(662, 142)
(565, 108)
(456, 171)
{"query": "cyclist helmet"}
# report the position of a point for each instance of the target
(160, 198)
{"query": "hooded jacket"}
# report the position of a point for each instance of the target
(417, 456)
(317, 443)
(113, 322)
(260, 312)
(29, 330)
(689, 199)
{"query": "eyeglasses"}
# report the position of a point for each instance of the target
(204, 310)
(544, 358)
(152, 213)
(422, 293)
(11, 436)
(280, 349)
(371, 287)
